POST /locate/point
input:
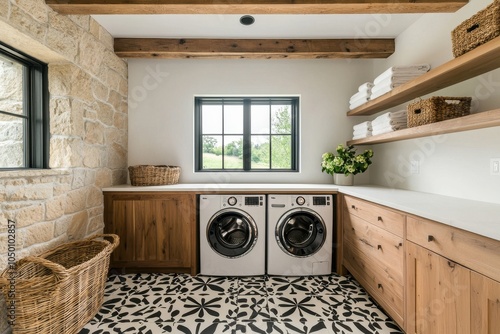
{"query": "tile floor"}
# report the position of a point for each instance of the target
(171, 303)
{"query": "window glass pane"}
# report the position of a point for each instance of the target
(12, 141)
(260, 119)
(11, 86)
(260, 152)
(233, 152)
(281, 119)
(269, 135)
(281, 153)
(212, 152)
(233, 119)
(211, 116)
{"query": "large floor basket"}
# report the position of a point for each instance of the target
(61, 290)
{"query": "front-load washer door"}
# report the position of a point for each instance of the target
(300, 232)
(232, 233)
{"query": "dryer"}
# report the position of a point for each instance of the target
(299, 235)
(232, 235)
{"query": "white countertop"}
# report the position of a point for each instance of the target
(478, 217)
(234, 187)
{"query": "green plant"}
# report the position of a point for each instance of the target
(346, 161)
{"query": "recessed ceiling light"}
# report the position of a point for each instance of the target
(247, 20)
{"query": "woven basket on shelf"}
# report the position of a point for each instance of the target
(149, 175)
(477, 30)
(61, 290)
(437, 109)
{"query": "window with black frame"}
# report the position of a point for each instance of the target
(24, 121)
(247, 134)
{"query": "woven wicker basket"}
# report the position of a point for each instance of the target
(477, 30)
(437, 109)
(60, 290)
(149, 175)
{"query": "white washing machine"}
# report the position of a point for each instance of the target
(300, 229)
(232, 235)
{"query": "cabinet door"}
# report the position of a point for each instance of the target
(485, 307)
(155, 231)
(438, 294)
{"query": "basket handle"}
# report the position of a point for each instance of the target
(473, 27)
(57, 269)
(115, 240)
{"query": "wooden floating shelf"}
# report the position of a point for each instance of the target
(480, 120)
(483, 59)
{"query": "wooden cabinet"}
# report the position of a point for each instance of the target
(438, 292)
(453, 280)
(485, 305)
(431, 278)
(373, 252)
(157, 231)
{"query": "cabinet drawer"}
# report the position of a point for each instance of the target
(471, 250)
(386, 249)
(384, 218)
(382, 286)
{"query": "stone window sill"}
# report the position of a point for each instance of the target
(32, 172)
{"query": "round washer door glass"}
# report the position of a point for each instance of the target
(301, 232)
(232, 233)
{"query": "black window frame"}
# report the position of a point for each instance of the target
(294, 101)
(36, 133)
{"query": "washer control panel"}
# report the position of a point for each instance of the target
(240, 201)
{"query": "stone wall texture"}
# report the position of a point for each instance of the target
(88, 130)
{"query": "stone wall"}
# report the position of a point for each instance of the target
(88, 128)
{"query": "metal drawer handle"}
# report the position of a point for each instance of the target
(353, 206)
(379, 247)
(380, 286)
(430, 238)
(379, 218)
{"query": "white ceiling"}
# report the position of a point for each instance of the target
(265, 26)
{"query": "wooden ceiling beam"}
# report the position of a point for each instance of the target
(90, 7)
(253, 48)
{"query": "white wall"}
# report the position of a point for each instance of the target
(161, 108)
(455, 164)
(161, 113)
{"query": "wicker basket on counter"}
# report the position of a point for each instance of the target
(61, 290)
(477, 30)
(154, 175)
(437, 109)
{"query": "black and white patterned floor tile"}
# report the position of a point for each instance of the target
(179, 303)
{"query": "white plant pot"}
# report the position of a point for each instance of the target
(343, 180)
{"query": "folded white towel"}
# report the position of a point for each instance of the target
(361, 132)
(395, 80)
(388, 123)
(388, 129)
(390, 117)
(357, 103)
(403, 71)
(363, 126)
(364, 87)
(362, 136)
(365, 96)
(380, 92)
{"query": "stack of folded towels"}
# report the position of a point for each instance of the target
(389, 122)
(362, 96)
(396, 76)
(362, 130)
